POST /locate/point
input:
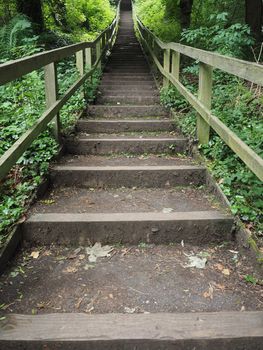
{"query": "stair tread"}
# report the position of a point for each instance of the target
(125, 200)
(147, 278)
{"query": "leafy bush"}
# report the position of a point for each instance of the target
(216, 36)
(153, 15)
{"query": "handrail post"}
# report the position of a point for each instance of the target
(98, 53)
(166, 66)
(88, 58)
(80, 67)
(205, 96)
(176, 64)
(51, 90)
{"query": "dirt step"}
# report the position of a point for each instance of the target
(221, 331)
(128, 99)
(126, 111)
(114, 126)
(124, 144)
(142, 278)
(128, 176)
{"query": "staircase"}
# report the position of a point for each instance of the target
(127, 180)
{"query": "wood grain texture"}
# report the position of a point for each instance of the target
(168, 331)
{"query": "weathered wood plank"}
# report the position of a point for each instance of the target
(166, 66)
(215, 330)
(205, 96)
(12, 70)
(51, 89)
(176, 64)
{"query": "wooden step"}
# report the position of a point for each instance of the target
(125, 99)
(196, 227)
(180, 331)
(128, 176)
(126, 111)
(115, 126)
(133, 145)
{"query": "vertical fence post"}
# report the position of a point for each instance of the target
(51, 90)
(80, 67)
(166, 66)
(98, 52)
(88, 58)
(205, 96)
(176, 64)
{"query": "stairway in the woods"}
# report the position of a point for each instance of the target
(127, 180)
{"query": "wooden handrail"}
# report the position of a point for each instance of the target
(202, 104)
(12, 70)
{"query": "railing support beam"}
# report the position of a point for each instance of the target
(166, 66)
(176, 64)
(80, 67)
(98, 53)
(205, 96)
(51, 89)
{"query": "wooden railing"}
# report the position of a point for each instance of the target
(170, 69)
(86, 53)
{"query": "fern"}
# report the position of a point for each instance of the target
(15, 37)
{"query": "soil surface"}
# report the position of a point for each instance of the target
(137, 279)
(90, 200)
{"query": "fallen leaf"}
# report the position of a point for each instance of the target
(219, 267)
(220, 286)
(226, 272)
(34, 255)
(128, 310)
(167, 210)
(98, 251)
(48, 201)
(195, 261)
(71, 269)
(209, 293)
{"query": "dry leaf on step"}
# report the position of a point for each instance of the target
(98, 251)
(34, 255)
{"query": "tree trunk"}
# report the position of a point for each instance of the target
(186, 11)
(33, 10)
(254, 17)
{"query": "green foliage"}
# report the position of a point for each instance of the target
(79, 20)
(233, 40)
(17, 39)
(241, 110)
(21, 104)
(153, 14)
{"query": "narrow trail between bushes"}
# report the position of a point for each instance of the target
(170, 274)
